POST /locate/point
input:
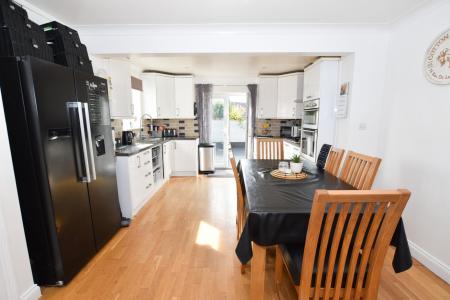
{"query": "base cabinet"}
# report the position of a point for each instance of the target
(135, 181)
(185, 153)
(168, 159)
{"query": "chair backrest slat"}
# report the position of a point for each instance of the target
(356, 252)
(355, 229)
(269, 148)
(334, 161)
(360, 170)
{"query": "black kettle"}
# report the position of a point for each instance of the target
(127, 137)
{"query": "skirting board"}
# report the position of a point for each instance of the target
(435, 265)
(33, 293)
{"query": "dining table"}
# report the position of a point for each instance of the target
(278, 211)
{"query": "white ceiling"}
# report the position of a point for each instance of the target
(93, 12)
(222, 65)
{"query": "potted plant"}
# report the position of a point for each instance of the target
(296, 164)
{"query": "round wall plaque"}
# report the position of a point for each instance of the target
(437, 60)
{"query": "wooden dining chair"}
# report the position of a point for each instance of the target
(334, 161)
(348, 236)
(240, 205)
(359, 170)
(240, 197)
(269, 148)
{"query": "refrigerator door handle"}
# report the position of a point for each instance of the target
(78, 106)
(89, 141)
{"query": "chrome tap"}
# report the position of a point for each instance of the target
(141, 136)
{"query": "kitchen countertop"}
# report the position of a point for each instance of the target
(142, 145)
(292, 142)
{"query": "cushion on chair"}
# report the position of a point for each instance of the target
(293, 256)
(323, 155)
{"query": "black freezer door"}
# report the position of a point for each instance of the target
(60, 139)
(103, 194)
(47, 88)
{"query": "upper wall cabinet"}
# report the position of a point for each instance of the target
(165, 96)
(118, 74)
(290, 91)
(168, 96)
(311, 89)
(278, 96)
(184, 97)
(266, 106)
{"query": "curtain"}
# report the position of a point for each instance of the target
(251, 118)
(203, 96)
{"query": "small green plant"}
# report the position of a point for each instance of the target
(296, 159)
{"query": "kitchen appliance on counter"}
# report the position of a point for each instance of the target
(61, 144)
(170, 132)
(127, 137)
(290, 132)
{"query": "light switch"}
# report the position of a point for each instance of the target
(362, 126)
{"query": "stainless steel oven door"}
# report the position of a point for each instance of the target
(309, 144)
(311, 119)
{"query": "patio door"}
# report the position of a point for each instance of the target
(229, 126)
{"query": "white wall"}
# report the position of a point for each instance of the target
(416, 137)
(36, 14)
(16, 280)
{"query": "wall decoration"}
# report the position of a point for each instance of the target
(437, 60)
(342, 101)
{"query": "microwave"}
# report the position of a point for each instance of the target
(290, 131)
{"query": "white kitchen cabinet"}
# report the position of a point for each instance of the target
(266, 105)
(290, 150)
(290, 91)
(184, 97)
(185, 154)
(168, 96)
(165, 96)
(149, 106)
(118, 74)
(168, 152)
(312, 82)
(135, 181)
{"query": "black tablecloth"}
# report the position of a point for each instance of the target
(279, 210)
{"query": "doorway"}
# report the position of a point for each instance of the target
(229, 126)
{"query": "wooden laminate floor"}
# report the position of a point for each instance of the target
(181, 246)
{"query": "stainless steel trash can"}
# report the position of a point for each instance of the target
(206, 155)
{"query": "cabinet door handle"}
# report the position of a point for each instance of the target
(132, 109)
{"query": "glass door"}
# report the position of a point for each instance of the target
(229, 126)
(219, 129)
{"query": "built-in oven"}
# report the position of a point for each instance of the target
(311, 114)
(309, 143)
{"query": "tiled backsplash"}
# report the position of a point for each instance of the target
(187, 127)
(271, 127)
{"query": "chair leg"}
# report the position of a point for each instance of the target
(278, 267)
(243, 268)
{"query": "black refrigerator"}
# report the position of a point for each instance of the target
(61, 143)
